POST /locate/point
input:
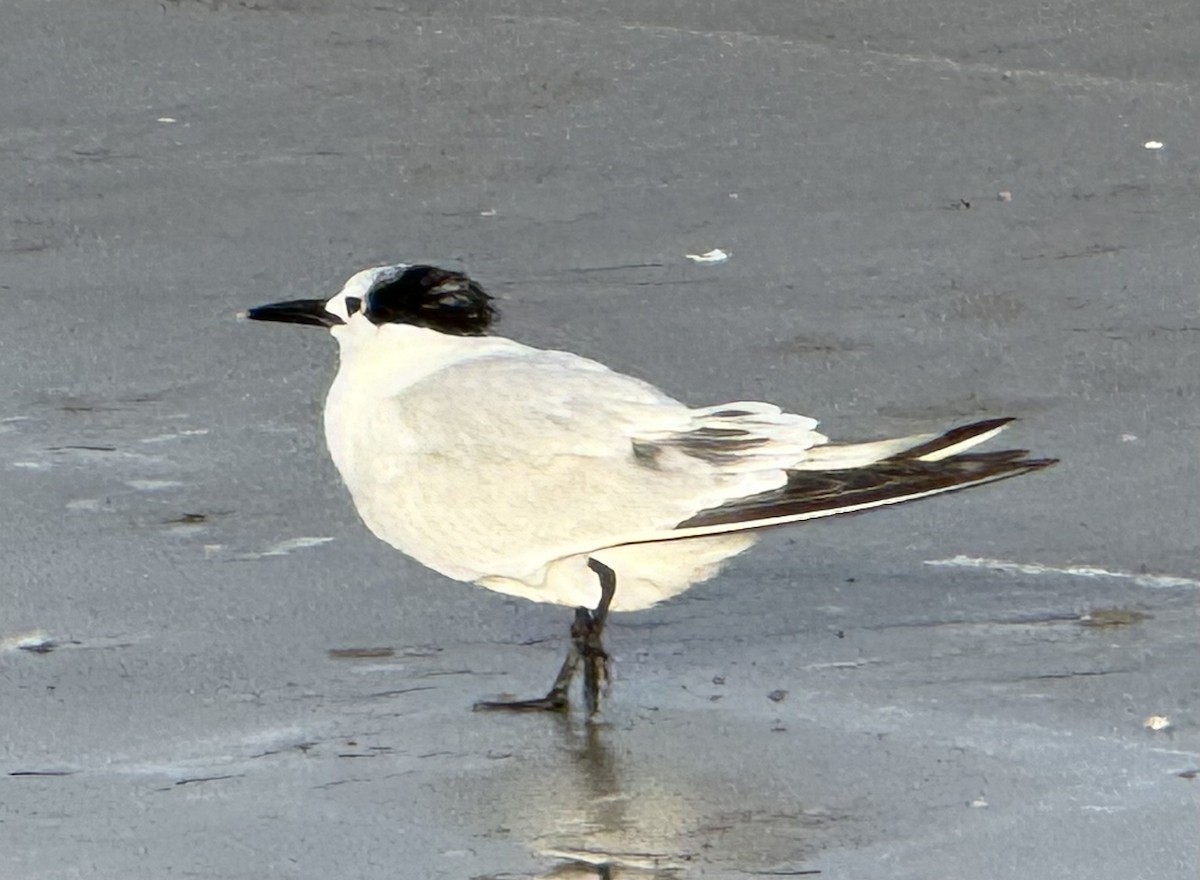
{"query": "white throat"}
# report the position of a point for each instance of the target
(379, 362)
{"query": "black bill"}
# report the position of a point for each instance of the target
(296, 311)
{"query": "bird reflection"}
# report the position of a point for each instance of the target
(575, 870)
(600, 801)
(597, 820)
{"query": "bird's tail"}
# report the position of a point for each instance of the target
(916, 467)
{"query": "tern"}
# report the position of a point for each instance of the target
(547, 475)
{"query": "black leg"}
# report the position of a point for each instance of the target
(586, 645)
(589, 642)
(556, 700)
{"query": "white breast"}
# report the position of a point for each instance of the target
(493, 462)
(376, 441)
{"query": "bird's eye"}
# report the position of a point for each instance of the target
(353, 304)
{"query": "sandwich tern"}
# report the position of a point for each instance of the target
(546, 475)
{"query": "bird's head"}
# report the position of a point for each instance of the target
(423, 296)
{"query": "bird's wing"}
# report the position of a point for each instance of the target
(513, 460)
(544, 405)
(500, 464)
(741, 437)
(930, 467)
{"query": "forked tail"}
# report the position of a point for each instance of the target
(931, 467)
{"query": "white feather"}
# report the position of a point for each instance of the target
(509, 466)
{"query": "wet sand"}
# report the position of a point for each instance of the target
(209, 668)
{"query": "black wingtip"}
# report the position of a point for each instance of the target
(953, 437)
(1036, 464)
(814, 494)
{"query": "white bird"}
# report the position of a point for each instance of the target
(546, 475)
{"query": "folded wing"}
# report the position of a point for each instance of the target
(833, 480)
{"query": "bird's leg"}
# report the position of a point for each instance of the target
(556, 699)
(588, 633)
(586, 644)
